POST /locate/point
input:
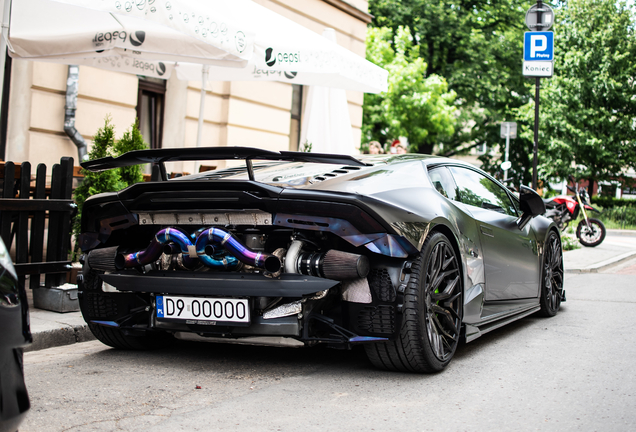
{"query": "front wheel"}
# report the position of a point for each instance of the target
(593, 235)
(432, 313)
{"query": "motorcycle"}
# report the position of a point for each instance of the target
(563, 209)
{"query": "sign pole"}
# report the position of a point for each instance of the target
(536, 109)
(536, 133)
(507, 150)
(538, 61)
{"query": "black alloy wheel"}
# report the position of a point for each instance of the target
(432, 313)
(552, 276)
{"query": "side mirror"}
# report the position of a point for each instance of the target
(531, 205)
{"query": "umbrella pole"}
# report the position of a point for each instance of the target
(204, 79)
(5, 8)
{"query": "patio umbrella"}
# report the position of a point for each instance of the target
(220, 40)
(50, 30)
(326, 123)
(239, 40)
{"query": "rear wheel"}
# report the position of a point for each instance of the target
(98, 306)
(116, 338)
(432, 313)
(590, 236)
(552, 276)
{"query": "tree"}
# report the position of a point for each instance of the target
(97, 182)
(104, 145)
(476, 45)
(414, 105)
(131, 140)
(588, 109)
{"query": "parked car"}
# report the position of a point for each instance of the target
(405, 254)
(15, 334)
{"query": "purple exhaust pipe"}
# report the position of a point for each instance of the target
(157, 247)
(217, 236)
(204, 246)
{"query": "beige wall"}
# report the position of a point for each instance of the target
(254, 114)
(36, 109)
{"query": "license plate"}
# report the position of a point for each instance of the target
(205, 310)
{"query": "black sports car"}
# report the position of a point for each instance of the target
(15, 334)
(404, 254)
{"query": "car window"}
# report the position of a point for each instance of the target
(443, 182)
(478, 190)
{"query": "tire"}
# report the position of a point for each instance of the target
(593, 237)
(432, 313)
(93, 299)
(552, 276)
(115, 338)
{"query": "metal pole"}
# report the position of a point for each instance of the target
(536, 107)
(6, 12)
(536, 133)
(204, 79)
(507, 149)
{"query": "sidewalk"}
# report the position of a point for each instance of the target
(51, 329)
(618, 246)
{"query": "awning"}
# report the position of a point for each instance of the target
(239, 40)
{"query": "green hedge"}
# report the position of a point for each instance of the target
(609, 202)
(623, 217)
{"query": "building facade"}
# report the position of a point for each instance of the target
(254, 114)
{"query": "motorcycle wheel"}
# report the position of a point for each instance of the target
(592, 236)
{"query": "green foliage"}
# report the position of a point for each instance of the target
(476, 46)
(98, 182)
(569, 243)
(588, 108)
(130, 141)
(306, 147)
(622, 217)
(415, 106)
(104, 145)
(618, 217)
(610, 202)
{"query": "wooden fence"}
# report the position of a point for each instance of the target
(21, 203)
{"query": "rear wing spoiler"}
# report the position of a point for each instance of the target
(160, 156)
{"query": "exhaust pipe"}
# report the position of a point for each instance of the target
(217, 236)
(209, 242)
(157, 246)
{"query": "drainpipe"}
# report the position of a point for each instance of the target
(72, 88)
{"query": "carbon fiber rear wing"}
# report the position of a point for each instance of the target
(160, 156)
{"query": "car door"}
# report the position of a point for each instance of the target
(511, 259)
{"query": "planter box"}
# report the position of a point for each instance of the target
(57, 299)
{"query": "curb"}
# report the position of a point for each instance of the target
(59, 337)
(52, 329)
(619, 232)
(595, 268)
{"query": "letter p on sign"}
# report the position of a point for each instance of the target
(538, 46)
(538, 43)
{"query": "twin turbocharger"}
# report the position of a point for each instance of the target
(211, 245)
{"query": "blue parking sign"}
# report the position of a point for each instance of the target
(538, 46)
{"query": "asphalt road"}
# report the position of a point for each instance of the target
(570, 372)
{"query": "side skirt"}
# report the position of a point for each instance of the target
(473, 331)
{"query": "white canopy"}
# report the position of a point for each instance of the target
(239, 40)
(51, 31)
